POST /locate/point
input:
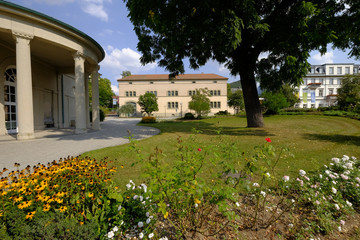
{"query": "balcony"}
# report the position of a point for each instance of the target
(313, 85)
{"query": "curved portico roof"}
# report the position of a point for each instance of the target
(52, 23)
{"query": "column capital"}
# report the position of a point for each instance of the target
(94, 69)
(23, 35)
(78, 56)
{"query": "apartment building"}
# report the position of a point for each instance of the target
(320, 85)
(173, 94)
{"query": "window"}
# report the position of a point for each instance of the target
(321, 92)
(192, 92)
(215, 104)
(172, 82)
(151, 82)
(173, 105)
(347, 70)
(312, 105)
(339, 81)
(173, 93)
(331, 91)
(339, 70)
(130, 94)
(331, 81)
(214, 81)
(321, 81)
(153, 92)
(331, 70)
(193, 81)
(313, 80)
(305, 81)
(130, 82)
(214, 92)
(304, 105)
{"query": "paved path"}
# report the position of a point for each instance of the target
(54, 144)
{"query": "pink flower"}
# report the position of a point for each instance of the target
(199, 149)
(286, 178)
(268, 139)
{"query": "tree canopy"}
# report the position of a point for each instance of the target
(236, 32)
(148, 103)
(105, 92)
(236, 100)
(349, 93)
(200, 102)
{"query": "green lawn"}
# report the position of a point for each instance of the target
(313, 139)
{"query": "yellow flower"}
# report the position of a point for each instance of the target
(46, 207)
(90, 195)
(58, 200)
(30, 215)
(197, 201)
(166, 215)
(81, 223)
(18, 199)
(63, 209)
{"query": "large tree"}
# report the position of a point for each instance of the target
(236, 32)
(148, 103)
(200, 102)
(349, 93)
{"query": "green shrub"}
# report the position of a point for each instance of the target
(274, 102)
(189, 116)
(222, 113)
(148, 119)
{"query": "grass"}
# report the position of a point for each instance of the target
(313, 140)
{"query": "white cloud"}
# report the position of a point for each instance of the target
(54, 2)
(115, 89)
(328, 57)
(119, 60)
(96, 10)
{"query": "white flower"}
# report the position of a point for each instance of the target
(339, 228)
(334, 182)
(347, 172)
(334, 190)
(141, 198)
(110, 234)
(237, 204)
(357, 179)
(320, 176)
(292, 200)
(345, 177)
(151, 235)
(327, 172)
(291, 225)
(164, 238)
(345, 158)
(267, 174)
(317, 202)
(263, 193)
(337, 206)
(306, 177)
(148, 221)
(147, 214)
(348, 203)
(119, 207)
(196, 205)
(336, 160)
(140, 224)
(135, 197)
(115, 229)
(141, 235)
(353, 158)
(286, 178)
(348, 165)
(128, 186)
(302, 172)
(144, 187)
(256, 185)
(342, 222)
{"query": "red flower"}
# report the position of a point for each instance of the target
(268, 139)
(199, 149)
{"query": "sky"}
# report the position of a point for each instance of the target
(107, 23)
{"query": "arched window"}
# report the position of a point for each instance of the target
(10, 100)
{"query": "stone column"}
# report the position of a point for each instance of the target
(80, 107)
(95, 100)
(24, 89)
(87, 102)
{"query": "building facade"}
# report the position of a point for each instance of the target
(174, 94)
(320, 85)
(45, 67)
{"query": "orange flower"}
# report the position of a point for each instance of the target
(30, 215)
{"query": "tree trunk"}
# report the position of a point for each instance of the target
(251, 98)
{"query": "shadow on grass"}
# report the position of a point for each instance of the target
(208, 128)
(337, 138)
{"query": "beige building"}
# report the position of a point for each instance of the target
(173, 94)
(45, 67)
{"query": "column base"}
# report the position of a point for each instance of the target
(80, 131)
(25, 136)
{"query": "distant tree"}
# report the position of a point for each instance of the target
(289, 93)
(127, 109)
(148, 103)
(125, 74)
(200, 102)
(236, 100)
(349, 93)
(274, 102)
(105, 92)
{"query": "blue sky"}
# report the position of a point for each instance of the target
(106, 22)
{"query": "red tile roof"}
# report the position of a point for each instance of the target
(202, 76)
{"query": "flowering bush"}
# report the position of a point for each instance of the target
(148, 119)
(73, 188)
